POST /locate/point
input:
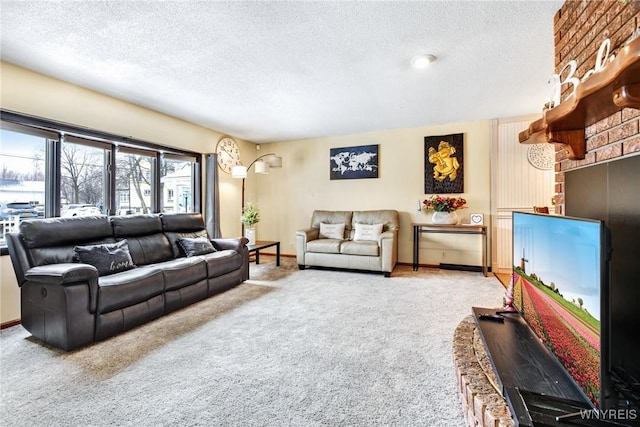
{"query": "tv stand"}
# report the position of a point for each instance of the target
(544, 410)
(525, 367)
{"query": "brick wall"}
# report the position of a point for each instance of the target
(580, 27)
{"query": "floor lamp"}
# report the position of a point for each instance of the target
(262, 166)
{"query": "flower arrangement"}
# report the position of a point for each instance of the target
(250, 214)
(444, 204)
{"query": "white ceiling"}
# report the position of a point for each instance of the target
(270, 71)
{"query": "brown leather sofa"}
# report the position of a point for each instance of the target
(68, 304)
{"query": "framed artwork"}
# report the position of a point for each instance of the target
(444, 164)
(353, 162)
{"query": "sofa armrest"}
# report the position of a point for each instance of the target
(66, 274)
(235, 244)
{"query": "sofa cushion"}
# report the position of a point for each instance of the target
(366, 248)
(331, 231)
(326, 246)
(50, 232)
(181, 272)
(368, 232)
(107, 258)
(182, 221)
(222, 262)
(150, 249)
(173, 237)
(192, 246)
(129, 287)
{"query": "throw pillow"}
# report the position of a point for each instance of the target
(370, 232)
(193, 246)
(331, 231)
(108, 258)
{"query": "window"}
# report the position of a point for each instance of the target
(83, 174)
(22, 176)
(177, 183)
(135, 170)
(50, 169)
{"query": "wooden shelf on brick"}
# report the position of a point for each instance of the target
(617, 86)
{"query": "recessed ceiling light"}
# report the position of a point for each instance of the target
(422, 61)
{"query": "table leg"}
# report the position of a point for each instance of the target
(416, 241)
(484, 254)
(278, 254)
(257, 256)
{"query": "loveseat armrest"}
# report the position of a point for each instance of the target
(235, 244)
(65, 274)
(389, 250)
(308, 234)
(302, 237)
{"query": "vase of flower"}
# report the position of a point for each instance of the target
(250, 233)
(444, 209)
(444, 218)
(250, 217)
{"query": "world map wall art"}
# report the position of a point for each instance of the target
(443, 164)
(354, 162)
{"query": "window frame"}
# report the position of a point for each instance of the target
(56, 133)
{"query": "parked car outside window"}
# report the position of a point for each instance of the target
(79, 210)
(22, 209)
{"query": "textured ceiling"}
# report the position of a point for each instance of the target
(271, 71)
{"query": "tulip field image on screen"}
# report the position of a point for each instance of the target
(556, 277)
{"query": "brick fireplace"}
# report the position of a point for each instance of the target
(579, 28)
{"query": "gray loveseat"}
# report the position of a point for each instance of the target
(368, 241)
(68, 304)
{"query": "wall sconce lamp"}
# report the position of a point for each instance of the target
(262, 166)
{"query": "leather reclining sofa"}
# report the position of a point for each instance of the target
(68, 304)
(359, 240)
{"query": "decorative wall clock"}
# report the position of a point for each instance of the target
(228, 154)
(542, 156)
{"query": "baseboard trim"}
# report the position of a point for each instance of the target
(9, 324)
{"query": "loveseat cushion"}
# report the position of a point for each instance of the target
(332, 217)
(365, 248)
(331, 231)
(181, 272)
(325, 246)
(129, 287)
(369, 232)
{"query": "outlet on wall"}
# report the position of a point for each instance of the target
(444, 254)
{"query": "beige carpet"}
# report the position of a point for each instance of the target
(287, 348)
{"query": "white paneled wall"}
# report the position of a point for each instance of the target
(516, 185)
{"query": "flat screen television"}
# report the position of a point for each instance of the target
(560, 278)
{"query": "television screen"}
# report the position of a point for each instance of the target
(558, 280)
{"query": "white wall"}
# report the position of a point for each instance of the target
(287, 196)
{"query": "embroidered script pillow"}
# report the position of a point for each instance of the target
(331, 231)
(108, 258)
(193, 246)
(368, 232)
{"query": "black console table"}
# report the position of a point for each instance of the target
(419, 228)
